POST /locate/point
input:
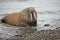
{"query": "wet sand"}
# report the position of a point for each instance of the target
(48, 28)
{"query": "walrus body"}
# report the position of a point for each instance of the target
(27, 17)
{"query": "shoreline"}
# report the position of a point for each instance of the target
(37, 35)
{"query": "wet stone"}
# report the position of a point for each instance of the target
(47, 25)
(58, 28)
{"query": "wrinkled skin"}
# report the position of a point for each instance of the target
(27, 17)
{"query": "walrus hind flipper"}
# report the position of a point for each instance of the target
(3, 20)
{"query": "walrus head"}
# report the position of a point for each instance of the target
(33, 16)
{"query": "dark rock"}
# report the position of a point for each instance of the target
(58, 28)
(47, 25)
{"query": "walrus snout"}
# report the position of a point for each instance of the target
(34, 23)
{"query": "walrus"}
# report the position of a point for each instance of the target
(27, 17)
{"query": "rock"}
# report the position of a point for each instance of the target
(27, 17)
(47, 25)
(58, 28)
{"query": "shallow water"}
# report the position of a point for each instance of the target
(46, 17)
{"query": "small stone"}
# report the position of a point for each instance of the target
(47, 25)
(58, 28)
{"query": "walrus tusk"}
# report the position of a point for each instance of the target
(34, 15)
(31, 16)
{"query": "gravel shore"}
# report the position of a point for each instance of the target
(37, 35)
